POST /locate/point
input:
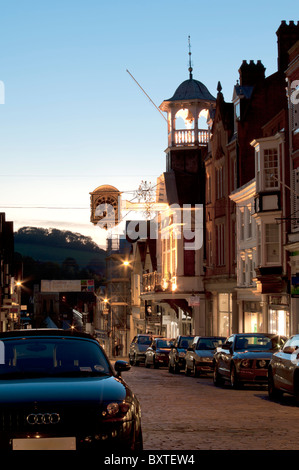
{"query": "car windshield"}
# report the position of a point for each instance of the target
(34, 357)
(164, 343)
(144, 340)
(185, 342)
(256, 342)
(209, 343)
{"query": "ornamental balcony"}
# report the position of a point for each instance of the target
(152, 282)
(187, 137)
(155, 283)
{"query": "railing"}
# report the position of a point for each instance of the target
(187, 137)
(152, 282)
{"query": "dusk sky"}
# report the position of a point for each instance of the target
(74, 119)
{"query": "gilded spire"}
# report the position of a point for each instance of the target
(190, 64)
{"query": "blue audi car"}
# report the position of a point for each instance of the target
(58, 391)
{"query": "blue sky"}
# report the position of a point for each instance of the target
(73, 118)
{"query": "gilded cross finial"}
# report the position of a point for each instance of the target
(190, 64)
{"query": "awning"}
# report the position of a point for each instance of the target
(175, 304)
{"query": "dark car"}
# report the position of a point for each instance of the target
(199, 357)
(177, 354)
(283, 375)
(245, 357)
(58, 391)
(138, 347)
(158, 352)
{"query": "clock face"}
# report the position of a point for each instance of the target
(106, 211)
(105, 206)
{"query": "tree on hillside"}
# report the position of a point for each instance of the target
(55, 237)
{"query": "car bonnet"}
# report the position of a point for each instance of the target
(78, 389)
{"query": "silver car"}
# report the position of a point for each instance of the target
(138, 347)
(283, 374)
(199, 357)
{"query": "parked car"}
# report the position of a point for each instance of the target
(199, 357)
(58, 391)
(157, 354)
(138, 347)
(177, 354)
(283, 375)
(245, 357)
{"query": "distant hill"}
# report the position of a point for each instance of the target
(53, 245)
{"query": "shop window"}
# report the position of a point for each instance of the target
(225, 314)
(279, 321)
(253, 318)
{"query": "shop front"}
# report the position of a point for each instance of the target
(253, 317)
(225, 309)
(279, 314)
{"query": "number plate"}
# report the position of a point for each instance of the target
(48, 443)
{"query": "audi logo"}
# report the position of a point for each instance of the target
(43, 418)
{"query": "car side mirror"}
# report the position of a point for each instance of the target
(121, 366)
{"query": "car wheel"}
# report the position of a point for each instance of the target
(217, 379)
(234, 382)
(273, 392)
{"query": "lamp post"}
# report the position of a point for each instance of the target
(128, 300)
(105, 313)
(106, 310)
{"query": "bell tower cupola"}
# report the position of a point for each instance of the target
(185, 110)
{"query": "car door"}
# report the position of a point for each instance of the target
(286, 363)
(190, 354)
(224, 356)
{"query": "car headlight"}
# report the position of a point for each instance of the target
(245, 363)
(262, 363)
(112, 409)
(116, 409)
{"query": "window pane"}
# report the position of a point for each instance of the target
(272, 242)
(271, 168)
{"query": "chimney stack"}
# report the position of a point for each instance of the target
(251, 74)
(287, 35)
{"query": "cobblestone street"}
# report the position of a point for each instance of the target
(187, 413)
